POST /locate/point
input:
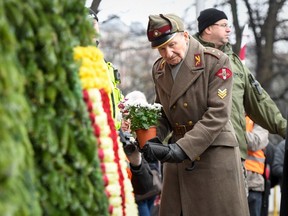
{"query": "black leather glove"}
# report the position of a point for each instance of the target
(154, 149)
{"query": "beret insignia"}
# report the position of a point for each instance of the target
(156, 33)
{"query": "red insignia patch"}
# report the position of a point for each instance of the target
(224, 73)
(197, 60)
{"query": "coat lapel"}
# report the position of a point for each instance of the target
(164, 77)
(190, 70)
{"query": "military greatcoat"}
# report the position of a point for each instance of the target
(200, 98)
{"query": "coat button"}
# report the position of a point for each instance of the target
(176, 124)
(190, 123)
(185, 105)
(174, 107)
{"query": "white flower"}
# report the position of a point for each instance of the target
(141, 114)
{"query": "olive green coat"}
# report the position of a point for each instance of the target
(258, 106)
(215, 186)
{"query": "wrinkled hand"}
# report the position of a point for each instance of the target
(154, 149)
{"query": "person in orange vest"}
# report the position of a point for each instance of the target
(257, 140)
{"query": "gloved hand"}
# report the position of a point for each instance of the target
(155, 149)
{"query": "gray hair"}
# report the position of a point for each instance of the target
(136, 96)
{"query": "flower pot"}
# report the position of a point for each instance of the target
(145, 134)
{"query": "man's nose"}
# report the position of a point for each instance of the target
(169, 52)
(228, 29)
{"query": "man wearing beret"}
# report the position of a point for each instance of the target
(201, 164)
(248, 96)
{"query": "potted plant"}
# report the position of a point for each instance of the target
(143, 117)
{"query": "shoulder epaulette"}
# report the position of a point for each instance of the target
(214, 52)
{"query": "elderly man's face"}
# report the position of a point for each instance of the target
(174, 51)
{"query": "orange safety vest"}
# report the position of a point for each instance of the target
(255, 160)
(128, 169)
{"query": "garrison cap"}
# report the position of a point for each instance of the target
(162, 28)
(208, 17)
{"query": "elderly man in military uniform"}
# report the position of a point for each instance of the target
(201, 163)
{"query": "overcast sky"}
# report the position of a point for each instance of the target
(139, 10)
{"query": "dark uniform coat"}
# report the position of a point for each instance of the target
(200, 97)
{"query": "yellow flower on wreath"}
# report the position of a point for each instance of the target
(93, 71)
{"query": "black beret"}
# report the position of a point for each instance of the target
(208, 17)
(162, 28)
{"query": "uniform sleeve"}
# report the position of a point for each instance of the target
(261, 108)
(163, 128)
(257, 139)
(142, 178)
(278, 161)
